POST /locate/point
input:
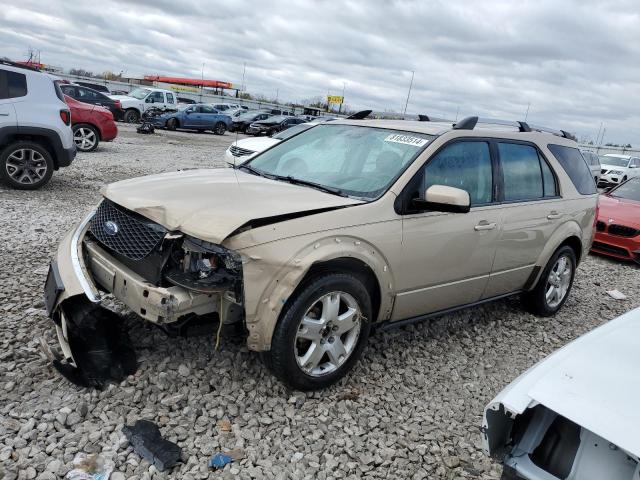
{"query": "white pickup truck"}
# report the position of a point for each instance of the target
(141, 99)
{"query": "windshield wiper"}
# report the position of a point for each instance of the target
(255, 171)
(318, 186)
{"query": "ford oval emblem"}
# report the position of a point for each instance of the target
(110, 228)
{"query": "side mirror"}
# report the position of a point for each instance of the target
(441, 198)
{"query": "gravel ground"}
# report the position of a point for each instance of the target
(410, 409)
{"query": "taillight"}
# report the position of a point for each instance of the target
(118, 105)
(65, 115)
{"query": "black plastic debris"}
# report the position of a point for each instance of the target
(100, 346)
(146, 128)
(147, 442)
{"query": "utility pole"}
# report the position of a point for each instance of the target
(244, 69)
(598, 135)
(344, 85)
(457, 112)
(202, 84)
(409, 93)
(277, 92)
(527, 112)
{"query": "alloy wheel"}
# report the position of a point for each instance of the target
(558, 281)
(85, 138)
(328, 333)
(26, 166)
(220, 129)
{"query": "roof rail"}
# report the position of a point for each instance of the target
(17, 65)
(469, 123)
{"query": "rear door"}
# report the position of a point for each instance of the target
(209, 116)
(531, 210)
(13, 85)
(446, 258)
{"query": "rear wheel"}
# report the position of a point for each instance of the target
(219, 128)
(321, 333)
(172, 123)
(131, 116)
(86, 137)
(26, 165)
(554, 284)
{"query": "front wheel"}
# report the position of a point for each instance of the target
(86, 137)
(131, 116)
(554, 284)
(219, 128)
(321, 332)
(172, 124)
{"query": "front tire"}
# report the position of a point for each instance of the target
(26, 165)
(554, 285)
(131, 116)
(219, 128)
(172, 124)
(321, 332)
(86, 137)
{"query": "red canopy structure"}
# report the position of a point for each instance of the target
(192, 82)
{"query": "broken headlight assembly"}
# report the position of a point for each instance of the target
(206, 267)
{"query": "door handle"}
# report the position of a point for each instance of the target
(553, 215)
(484, 225)
(4, 114)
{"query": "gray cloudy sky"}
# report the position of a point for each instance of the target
(576, 62)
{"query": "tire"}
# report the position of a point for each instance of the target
(172, 124)
(131, 116)
(219, 128)
(39, 165)
(86, 137)
(340, 342)
(536, 300)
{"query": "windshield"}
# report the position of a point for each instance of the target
(358, 161)
(630, 190)
(290, 132)
(139, 93)
(614, 161)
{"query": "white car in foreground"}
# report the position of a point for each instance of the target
(242, 150)
(576, 414)
(617, 168)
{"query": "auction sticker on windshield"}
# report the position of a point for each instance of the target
(407, 140)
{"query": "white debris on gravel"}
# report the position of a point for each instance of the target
(410, 409)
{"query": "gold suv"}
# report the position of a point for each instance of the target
(345, 226)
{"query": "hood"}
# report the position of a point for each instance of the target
(606, 166)
(256, 144)
(124, 98)
(594, 381)
(268, 122)
(619, 210)
(212, 204)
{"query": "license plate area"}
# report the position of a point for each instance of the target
(53, 287)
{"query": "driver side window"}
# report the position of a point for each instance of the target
(465, 165)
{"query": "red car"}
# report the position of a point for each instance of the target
(618, 225)
(91, 124)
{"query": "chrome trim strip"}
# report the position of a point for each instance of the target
(75, 259)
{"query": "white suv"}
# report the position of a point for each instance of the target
(35, 127)
(140, 100)
(617, 168)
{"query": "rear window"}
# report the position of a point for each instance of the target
(12, 84)
(573, 163)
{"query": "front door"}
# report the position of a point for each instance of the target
(447, 257)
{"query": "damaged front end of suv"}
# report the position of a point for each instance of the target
(164, 276)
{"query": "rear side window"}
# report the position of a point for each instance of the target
(573, 163)
(12, 84)
(170, 98)
(526, 175)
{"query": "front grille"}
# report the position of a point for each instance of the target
(239, 152)
(605, 247)
(601, 226)
(622, 231)
(134, 238)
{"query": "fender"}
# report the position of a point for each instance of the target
(564, 231)
(61, 156)
(264, 305)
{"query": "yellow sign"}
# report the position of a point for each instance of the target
(176, 88)
(334, 99)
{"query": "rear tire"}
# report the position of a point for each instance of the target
(554, 285)
(321, 332)
(26, 165)
(86, 137)
(131, 116)
(219, 128)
